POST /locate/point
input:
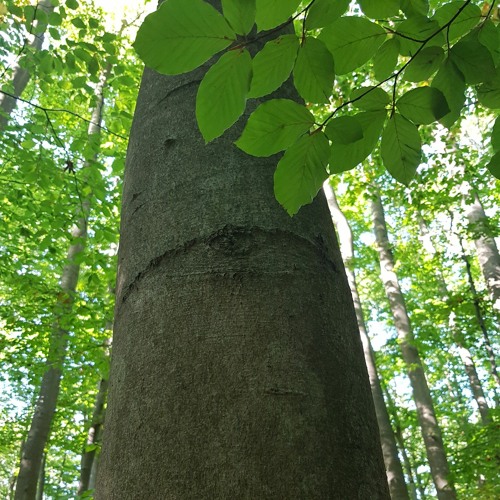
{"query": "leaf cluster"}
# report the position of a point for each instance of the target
(423, 60)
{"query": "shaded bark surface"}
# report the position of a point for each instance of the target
(421, 394)
(21, 76)
(237, 370)
(394, 470)
(46, 402)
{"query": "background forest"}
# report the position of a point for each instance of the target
(69, 79)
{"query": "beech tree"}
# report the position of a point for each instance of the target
(309, 89)
(261, 390)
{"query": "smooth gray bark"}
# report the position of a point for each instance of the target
(237, 369)
(486, 248)
(393, 468)
(20, 75)
(421, 394)
(46, 402)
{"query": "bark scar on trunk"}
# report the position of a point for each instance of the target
(179, 87)
(230, 240)
(283, 391)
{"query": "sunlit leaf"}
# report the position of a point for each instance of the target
(401, 148)
(352, 41)
(181, 35)
(301, 172)
(222, 93)
(314, 73)
(273, 65)
(274, 126)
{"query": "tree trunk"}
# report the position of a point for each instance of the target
(413, 477)
(487, 251)
(394, 471)
(45, 405)
(470, 370)
(41, 479)
(480, 318)
(20, 75)
(93, 437)
(237, 369)
(464, 352)
(421, 394)
(94, 434)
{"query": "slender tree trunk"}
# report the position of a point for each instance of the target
(394, 471)
(93, 437)
(480, 318)
(398, 435)
(470, 370)
(45, 405)
(487, 251)
(41, 479)
(21, 76)
(425, 409)
(94, 434)
(464, 352)
(237, 370)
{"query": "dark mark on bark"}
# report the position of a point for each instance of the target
(176, 89)
(282, 391)
(225, 240)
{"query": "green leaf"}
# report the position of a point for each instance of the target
(222, 93)
(344, 130)
(181, 35)
(271, 13)
(424, 64)
(495, 136)
(488, 35)
(473, 60)
(370, 98)
(463, 23)
(423, 105)
(274, 126)
(386, 58)
(415, 7)
(301, 172)
(72, 4)
(78, 23)
(488, 94)
(401, 148)
(494, 165)
(352, 41)
(273, 65)
(346, 156)
(415, 31)
(451, 83)
(240, 14)
(314, 73)
(379, 9)
(324, 12)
